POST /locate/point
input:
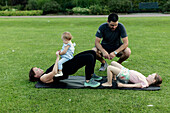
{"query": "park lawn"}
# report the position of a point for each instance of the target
(28, 42)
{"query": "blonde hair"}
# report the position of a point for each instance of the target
(67, 35)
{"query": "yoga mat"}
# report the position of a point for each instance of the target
(77, 82)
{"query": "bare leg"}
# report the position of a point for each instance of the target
(125, 55)
(115, 64)
(111, 70)
(98, 55)
(59, 71)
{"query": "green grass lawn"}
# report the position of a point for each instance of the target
(28, 42)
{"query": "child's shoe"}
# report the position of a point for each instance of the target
(60, 73)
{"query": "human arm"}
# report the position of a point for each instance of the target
(99, 46)
(137, 85)
(48, 78)
(64, 51)
(121, 48)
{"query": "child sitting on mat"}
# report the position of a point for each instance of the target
(66, 52)
(138, 80)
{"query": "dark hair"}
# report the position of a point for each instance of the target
(113, 17)
(158, 80)
(31, 75)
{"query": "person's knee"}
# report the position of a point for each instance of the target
(94, 49)
(113, 63)
(109, 67)
(127, 52)
(97, 52)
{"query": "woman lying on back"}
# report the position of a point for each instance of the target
(86, 58)
(138, 80)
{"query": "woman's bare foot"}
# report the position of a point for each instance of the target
(107, 84)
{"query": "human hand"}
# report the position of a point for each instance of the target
(112, 55)
(57, 53)
(106, 55)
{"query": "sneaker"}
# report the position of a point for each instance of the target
(95, 77)
(91, 83)
(103, 66)
(59, 74)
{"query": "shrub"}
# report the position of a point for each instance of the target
(95, 9)
(32, 5)
(121, 6)
(79, 10)
(69, 11)
(19, 7)
(67, 5)
(41, 3)
(5, 8)
(106, 10)
(166, 7)
(98, 10)
(51, 7)
(85, 3)
(21, 13)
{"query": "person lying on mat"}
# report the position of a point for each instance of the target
(86, 58)
(138, 80)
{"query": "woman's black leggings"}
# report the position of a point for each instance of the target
(86, 58)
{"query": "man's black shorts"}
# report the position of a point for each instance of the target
(110, 48)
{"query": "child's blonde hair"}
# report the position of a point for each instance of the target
(67, 35)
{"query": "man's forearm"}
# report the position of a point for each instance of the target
(99, 46)
(121, 48)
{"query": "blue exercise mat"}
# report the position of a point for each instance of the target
(77, 82)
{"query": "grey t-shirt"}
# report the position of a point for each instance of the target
(110, 37)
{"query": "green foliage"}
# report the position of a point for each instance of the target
(119, 6)
(41, 3)
(85, 3)
(51, 7)
(32, 5)
(19, 7)
(98, 10)
(3, 8)
(69, 11)
(166, 7)
(65, 5)
(21, 13)
(106, 10)
(95, 9)
(10, 8)
(79, 10)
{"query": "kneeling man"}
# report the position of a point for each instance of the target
(114, 41)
